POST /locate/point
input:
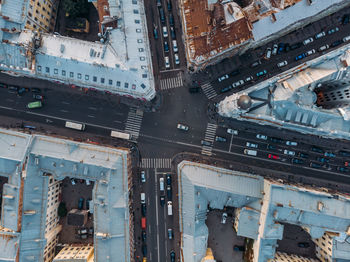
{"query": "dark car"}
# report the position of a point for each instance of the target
(159, 3)
(342, 169)
(317, 149)
(329, 154)
(170, 233)
(322, 160)
(296, 46)
(297, 161)
(336, 43)
(21, 91)
(271, 147)
(161, 14)
(143, 209)
(303, 244)
(234, 73)
(81, 203)
(238, 248)
(315, 165)
(194, 89)
(3, 85)
(169, 5)
(172, 32)
(144, 250)
(38, 97)
(276, 140)
(287, 48)
(205, 143)
(172, 256)
(36, 90)
(166, 46)
(169, 193)
(280, 48)
(345, 19)
(162, 200)
(144, 236)
(155, 33)
(344, 153)
(226, 89)
(168, 179)
(303, 155)
(171, 19)
(88, 203)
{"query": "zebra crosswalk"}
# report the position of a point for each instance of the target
(169, 83)
(209, 90)
(133, 122)
(209, 137)
(156, 163)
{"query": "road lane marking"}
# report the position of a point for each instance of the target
(64, 111)
(92, 108)
(9, 100)
(156, 195)
(231, 143)
(66, 103)
(91, 116)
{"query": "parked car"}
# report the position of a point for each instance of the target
(172, 32)
(322, 160)
(268, 53)
(308, 41)
(336, 43)
(224, 218)
(248, 79)
(220, 139)
(345, 19)
(297, 161)
(155, 33)
(169, 5)
(296, 46)
(317, 149)
(256, 63)
(168, 179)
(166, 61)
(329, 154)
(262, 137)
(144, 235)
(344, 153)
(333, 30)
(282, 64)
(81, 203)
(347, 38)
(299, 57)
(291, 143)
(88, 203)
(166, 46)
(143, 176)
(159, 3)
(144, 250)
(234, 73)
(315, 165)
(177, 60)
(222, 78)
(271, 156)
(280, 48)
(225, 89)
(271, 147)
(172, 256)
(319, 35)
(171, 19)
(342, 169)
(323, 48)
(238, 83)
(276, 140)
(274, 49)
(261, 73)
(162, 200)
(182, 127)
(35, 90)
(252, 145)
(3, 85)
(310, 52)
(289, 152)
(232, 131)
(303, 155)
(170, 233)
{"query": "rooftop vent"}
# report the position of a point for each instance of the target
(62, 48)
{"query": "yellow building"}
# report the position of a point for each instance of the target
(42, 15)
(75, 253)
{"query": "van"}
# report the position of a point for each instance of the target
(170, 208)
(143, 198)
(250, 152)
(175, 46)
(161, 184)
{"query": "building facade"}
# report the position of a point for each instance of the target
(75, 253)
(41, 15)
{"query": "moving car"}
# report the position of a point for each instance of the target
(329, 154)
(289, 152)
(144, 236)
(143, 210)
(144, 250)
(165, 31)
(169, 5)
(342, 169)
(315, 165)
(169, 193)
(36, 104)
(303, 155)
(220, 139)
(268, 53)
(291, 143)
(282, 64)
(308, 41)
(172, 32)
(226, 89)
(271, 156)
(36, 90)
(252, 145)
(333, 30)
(248, 79)
(171, 19)
(175, 46)
(319, 35)
(166, 46)
(155, 33)
(222, 78)
(224, 218)
(143, 198)
(172, 256)
(168, 179)
(344, 153)
(182, 127)
(143, 176)
(205, 143)
(347, 38)
(297, 161)
(170, 233)
(345, 19)
(162, 200)
(296, 46)
(299, 57)
(250, 152)
(234, 132)
(38, 97)
(322, 159)
(260, 136)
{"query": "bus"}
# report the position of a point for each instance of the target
(120, 135)
(36, 104)
(73, 125)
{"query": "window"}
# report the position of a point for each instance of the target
(133, 87)
(143, 86)
(28, 22)
(71, 74)
(39, 68)
(141, 49)
(139, 41)
(118, 83)
(142, 58)
(86, 77)
(110, 81)
(134, 2)
(136, 11)
(55, 71)
(30, 14)
(137, 21)
(94, 78)
(63, 72)
(79, 76)
(144, 75)
(126, 85)
(138, 30)
(47, 69)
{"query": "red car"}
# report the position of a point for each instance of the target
(273, 156)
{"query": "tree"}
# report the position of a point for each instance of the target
(76, 8)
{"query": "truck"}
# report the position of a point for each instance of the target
(143, 223)
(170, 208)
(121, 135)
(74, 125)
(250, 152)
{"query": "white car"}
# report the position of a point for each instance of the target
(319, 35)
(238, 83)
(274, 49)
(224, 218)
(222, 78)
(310, 52)
(143, 176)
(248, 144)
(291, 143)
(308, 41)
(260, 136)
(268, 53)
(175, 46)
(281, 64)
(182, 127)
(167, 64)
(177, 60)
(288, 152)
(248, 79)
(232, 131)
(322, 48)
(347, 38)
(165, 31)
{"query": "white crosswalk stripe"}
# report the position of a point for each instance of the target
(169, 83)
(209, 137)
(133, 122)
(209, 90)
(156, 163)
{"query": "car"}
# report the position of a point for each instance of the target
(21, 91)
(333, 30)
(155, 33)
(323, 48)
(143, 176)
(317, 149)
(252, 145)
(262, 137)
(322, 159)
(194, 89)
(162, 200)
(172, 256)
(143, 235)
(169, 193)
(238, 83)
(175, 46)
(220, 139)
(296, 46)
(276, 140)
(280, 48)
(91, 231)
(223, 218)
(159, 3)
(182, 127)
(308, 41)
(274, 49)
(234, 73)
(81, 203)
(299, 57)
(320, 35)
(261, 73)
(303, 155)
(310, 52)
(222, 78)
(291, 143)
(3, 85)
(342, 169)
(329, 154)
(205, 143)
(88, 203)
(170, 233)
(268, 53)
(144, 250)
(35, 90)
(271, 156)
(297, 161)
(169, 5)
(72, 180)
(248, 79)
(168, 179)
(166, 61)
(143, 210)
(271, 147)
(225, 89)
(282, 64)
(288, 152)
(166, 46)
(303, 244)
(172, 32)
(344, 153)
(232, 131)
(347, 38)
(165, 31)
(345, 19)
(336, 43)
(33, 105)
(171, 19)
(256, 63)
(176, 58)
(162, 15)
(346, 163)
(315, 165)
